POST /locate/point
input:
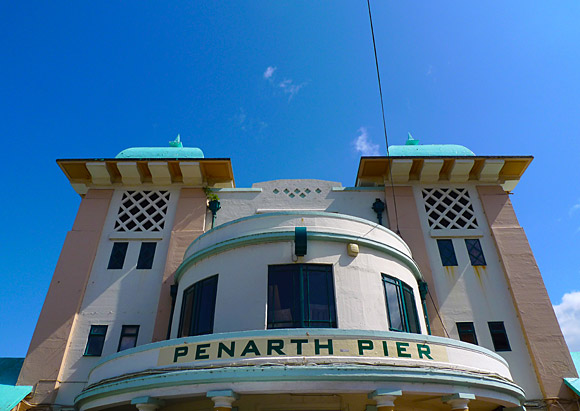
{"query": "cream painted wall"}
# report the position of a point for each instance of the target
(243, 284)
(116, 297)
(477, 295)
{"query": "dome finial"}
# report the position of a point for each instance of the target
(177, 142)
(411, 141)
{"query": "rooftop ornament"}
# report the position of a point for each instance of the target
(174, 151)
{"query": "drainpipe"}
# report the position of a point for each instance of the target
(423, 290)
(173, 293)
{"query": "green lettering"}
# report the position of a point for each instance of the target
(230, 351)
(385, 349)
(251, 347)
(318, 346)
(299, 345)
(423, 349)
(180, 352)
(402, 350)
(276, 345)
(364, 345)
(200, 352)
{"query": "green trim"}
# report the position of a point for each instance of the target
(574, 384)
(299, 213)
(425, 339)
(279, 236)
(346, 373)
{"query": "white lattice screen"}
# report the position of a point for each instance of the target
(449, 208)
(142, 211)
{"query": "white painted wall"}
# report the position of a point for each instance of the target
(243, 273)
(237, 203)
(116, 297)
(477, 295)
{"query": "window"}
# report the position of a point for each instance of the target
(198, 308)
(96, 340)
(466, 332)
(446, 252)
(146, 255)
(401, 308)
(301, 296)
(128, 337)
(118, 254)
(499, 336)
(475, 252)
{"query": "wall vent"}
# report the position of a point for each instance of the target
(449, 208)
(142, 211)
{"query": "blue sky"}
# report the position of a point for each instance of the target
(88, 79)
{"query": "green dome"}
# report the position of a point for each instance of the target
(176, 150)
(413, 149)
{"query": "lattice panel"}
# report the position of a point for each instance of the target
(296, 192)
(449, 208)
(142, 211)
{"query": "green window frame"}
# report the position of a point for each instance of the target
(301, 296)
(447, 252)
(198, 308)
(118, 254)
(475, 251)
(96, 341)
(466, 331)
(499, 336)
(128, 339)
(401, 307)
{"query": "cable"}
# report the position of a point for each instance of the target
(383, 113)
(437, 311)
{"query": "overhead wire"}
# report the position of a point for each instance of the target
(384, 120)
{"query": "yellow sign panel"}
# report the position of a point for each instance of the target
(263, 347)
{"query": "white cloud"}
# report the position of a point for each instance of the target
(568, 313)
(269, 72)
(363, 145)
(574, 208)
(290, 88)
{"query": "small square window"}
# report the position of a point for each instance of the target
(499, 336)
(118, 254)
(475, 251)
(146, 255)
(466, 332)
(128, 338)
(447, 252)
(96, 340)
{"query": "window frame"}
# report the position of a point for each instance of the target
(144, 262)
(196, 290)
(474, 244)
(447, 260)
(466, 331)
(126, 334)
(118, 247)
(401, 288)
(94, 336)
(499, 332)
(301, 302)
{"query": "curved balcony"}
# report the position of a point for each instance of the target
(310, 361)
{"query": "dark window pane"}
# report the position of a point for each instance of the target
(198, 308)
(466, 332)
(499, 336)
(96, 340)
(411, 310)
(447, 252)
(475, 251)
(118, 254)
(301, 295)
(146, 255)
(401, 308)
(128, 338)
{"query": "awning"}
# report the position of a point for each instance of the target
(11, 395)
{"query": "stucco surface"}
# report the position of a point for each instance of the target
(411, 232)
(65, 294)
(546, 344)
(189, 223)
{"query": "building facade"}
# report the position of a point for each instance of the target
(416, 289)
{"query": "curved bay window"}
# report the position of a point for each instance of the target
(301, 296)
(401, 308)
(198, 308)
